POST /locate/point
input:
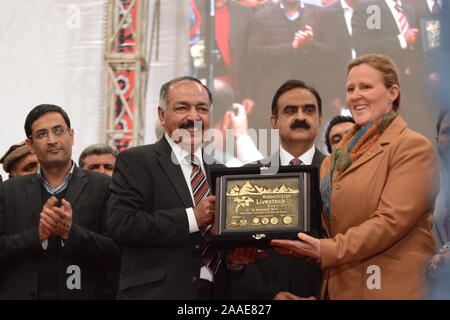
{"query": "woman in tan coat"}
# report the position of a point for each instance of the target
(378, 191)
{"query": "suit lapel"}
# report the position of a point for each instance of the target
(367, 156)
(33, 192)
(318, 158)
(76, 186)
(173, 171)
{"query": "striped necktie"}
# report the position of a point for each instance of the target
(199, 184)
(404, 25)
(200, 189)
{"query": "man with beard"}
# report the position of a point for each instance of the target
(161, 208)
(296, 113)
(53, 242)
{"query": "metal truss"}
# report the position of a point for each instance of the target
(126, 73)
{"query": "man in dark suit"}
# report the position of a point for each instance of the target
(334, 30)
(231, 22)
(282, 45)
(161, 207)
(426, 11)
(386, 27)
(53, 242)
(296, 113)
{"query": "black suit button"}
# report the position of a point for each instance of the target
(197, 247)
(194, 279)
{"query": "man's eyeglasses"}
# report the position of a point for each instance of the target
(43, 134)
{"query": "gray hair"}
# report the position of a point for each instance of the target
(164, 92)
(97, 149)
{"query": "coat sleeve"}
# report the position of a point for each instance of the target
(412, 167)
(129, 222)
(95, 246)
(18, 245)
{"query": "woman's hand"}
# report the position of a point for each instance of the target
(308, 246)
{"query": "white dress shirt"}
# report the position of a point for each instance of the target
(396, 14)
(180, 156)
(431, 3)
(348, 14)
(306, 158)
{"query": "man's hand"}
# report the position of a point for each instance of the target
(239, 122)
(242, 256)
(411, 36)
(303, 37)
(54, 220)
(204, 211)
(47, 221)
(65, 219)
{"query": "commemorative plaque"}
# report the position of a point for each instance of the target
(431, 33)
(253, 208)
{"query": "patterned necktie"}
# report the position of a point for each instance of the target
(200, 189)
(436, 7)
(295, 162)
(404, 25)
(199, 184)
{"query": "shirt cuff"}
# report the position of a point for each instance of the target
(193, 227)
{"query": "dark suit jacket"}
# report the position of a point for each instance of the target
(264, 278)
(384, 40)
(147, 218)
(239, 20)
(332, 32)
(87, 246)
(240, 16)
(275, 61)
(426, 60)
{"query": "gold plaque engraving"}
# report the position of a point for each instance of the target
(262, 202)
(287, 220)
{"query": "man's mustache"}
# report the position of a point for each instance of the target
(297, 124)
(191, 124)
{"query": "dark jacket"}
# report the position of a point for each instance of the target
(87, 247)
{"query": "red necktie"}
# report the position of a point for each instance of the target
(404, 25)
(199, 184)
(295, 162)
(200, 189)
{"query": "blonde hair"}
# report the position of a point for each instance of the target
(387, 68)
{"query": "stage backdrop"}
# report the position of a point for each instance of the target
(51, 51)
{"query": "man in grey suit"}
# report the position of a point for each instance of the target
(296, 113)
(53, 242)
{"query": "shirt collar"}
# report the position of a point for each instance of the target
(295, 16)
(431, 3)
(392, 3)
(306, 158)
(181, 153)
(345, 6)
(63, 186)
